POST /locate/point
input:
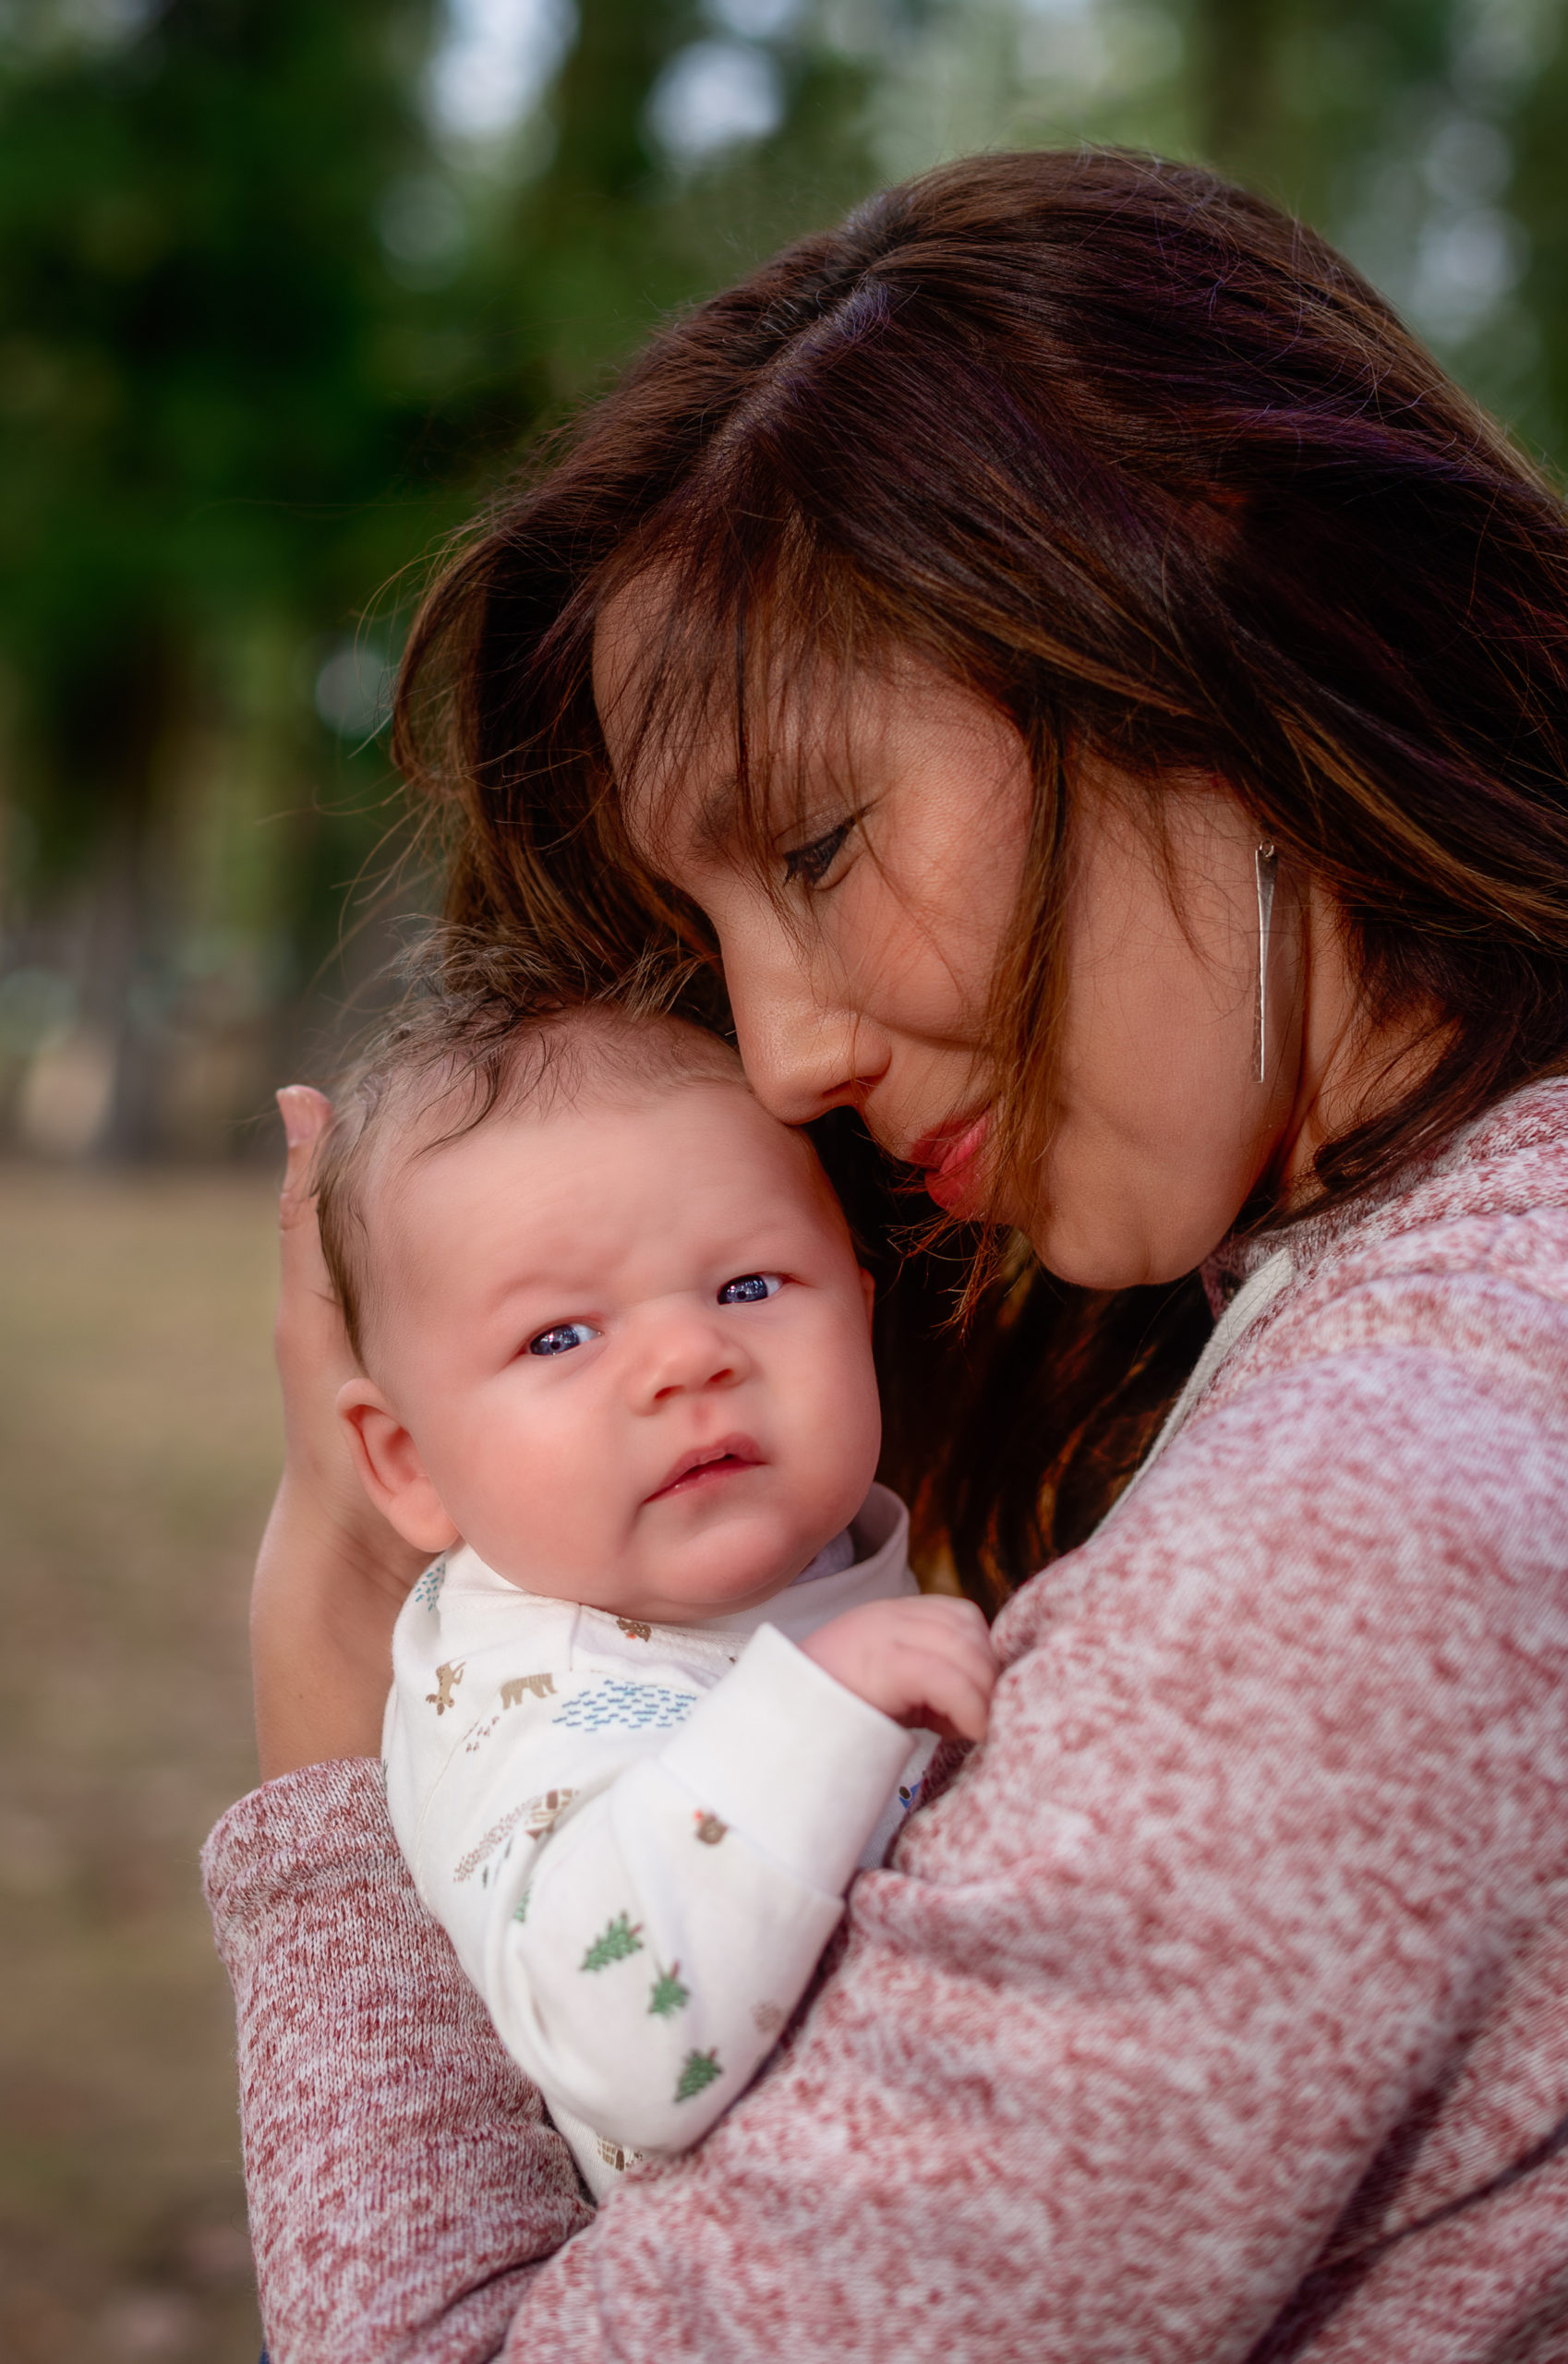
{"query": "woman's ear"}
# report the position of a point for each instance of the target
(868, 1290)
(388, 1461)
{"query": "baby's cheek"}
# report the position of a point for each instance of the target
(839, 1424)
(547, 1494)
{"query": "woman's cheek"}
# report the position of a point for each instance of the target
(915, 971)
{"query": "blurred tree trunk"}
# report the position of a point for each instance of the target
(113, 740)
(602, 157)
(1236, 93)
(595, 260)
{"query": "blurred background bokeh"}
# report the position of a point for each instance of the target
(285, 286)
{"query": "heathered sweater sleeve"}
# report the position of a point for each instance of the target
(400, 2170)
(1273, 1793)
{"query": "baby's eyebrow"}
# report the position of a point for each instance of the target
(523, 1284)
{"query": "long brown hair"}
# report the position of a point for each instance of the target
(1148, 466)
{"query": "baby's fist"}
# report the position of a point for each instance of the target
(925, 1660)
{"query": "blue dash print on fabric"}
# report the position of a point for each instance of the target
(427, 1591)
(629, 1706)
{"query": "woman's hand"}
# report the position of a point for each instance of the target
(331, 1576)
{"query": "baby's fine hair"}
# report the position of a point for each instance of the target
(484, 1029)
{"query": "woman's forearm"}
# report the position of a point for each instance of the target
(364, 2052)
(321, 1617)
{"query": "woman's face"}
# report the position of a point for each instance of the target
(865, 981)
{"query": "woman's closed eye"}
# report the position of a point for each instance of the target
(812, 862)
(562, 1337)
(751, 1288)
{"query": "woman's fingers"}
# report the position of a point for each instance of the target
(311, 1344)
(313, 1356)
(306, 1114)
(332, 1574)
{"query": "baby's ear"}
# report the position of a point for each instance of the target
(868, 1290)
(388, 1461)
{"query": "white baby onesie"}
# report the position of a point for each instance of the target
(638, 1836)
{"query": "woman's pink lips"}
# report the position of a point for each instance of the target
(948, 1159)
(726, 1457)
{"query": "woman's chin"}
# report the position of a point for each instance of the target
(1094, 1259)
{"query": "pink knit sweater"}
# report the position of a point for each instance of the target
(1218, 2006)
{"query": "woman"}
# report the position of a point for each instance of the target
(1101, 693)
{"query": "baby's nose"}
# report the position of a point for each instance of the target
(686, 1352)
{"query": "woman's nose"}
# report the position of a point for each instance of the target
(804, 1050)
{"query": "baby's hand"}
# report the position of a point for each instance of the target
(928, 1661)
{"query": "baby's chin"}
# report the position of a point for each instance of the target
(733, 1566)
(713, 1558)
(685, 1598)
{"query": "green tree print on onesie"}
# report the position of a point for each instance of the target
(668, 1995)
(614, 1944)
(699, 2069)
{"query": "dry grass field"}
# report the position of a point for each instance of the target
(138, 1442)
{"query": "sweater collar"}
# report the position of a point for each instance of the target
(1537, 1110)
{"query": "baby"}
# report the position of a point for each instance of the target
(661, 1691)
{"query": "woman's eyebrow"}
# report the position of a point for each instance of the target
(715, 825)
(720, 816)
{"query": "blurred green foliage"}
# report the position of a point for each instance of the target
(285, 288)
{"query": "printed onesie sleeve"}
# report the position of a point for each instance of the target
(639, 1873)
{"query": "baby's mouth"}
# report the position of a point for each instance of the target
(707, 1465)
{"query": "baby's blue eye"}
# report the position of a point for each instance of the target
(562, 1338)
(750, 1289)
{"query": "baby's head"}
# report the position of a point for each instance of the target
(611, 1326)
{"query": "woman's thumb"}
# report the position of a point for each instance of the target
(306, 1114)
